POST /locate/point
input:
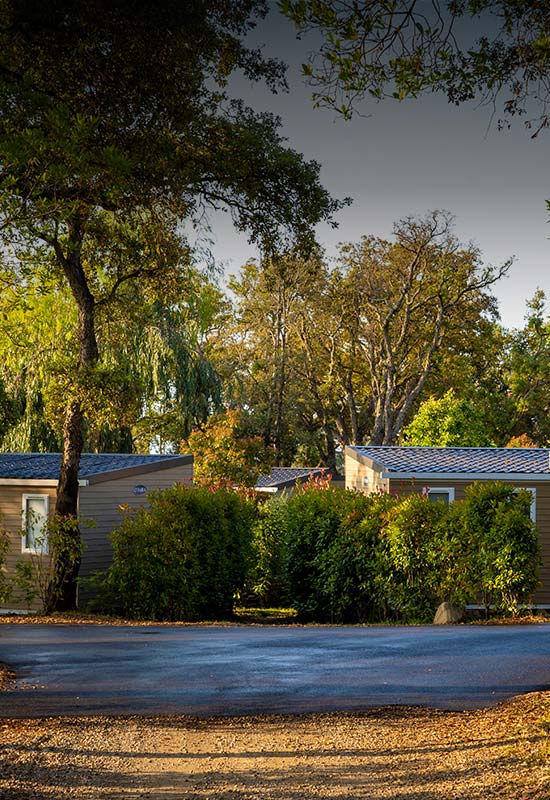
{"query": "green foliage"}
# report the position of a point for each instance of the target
(57, 543)
(527, 365)
(484, 548)
(504, 565)
(261, 348)
(225, 454)
(5, 584)
(153, 383)
(356, 564)
(184, 556)
(398, 50)
(314, 515)
(449, 421)
(414, 534)
(115, 128)
(327, 354)
(266, 582)
(26, 582)
(356, 558)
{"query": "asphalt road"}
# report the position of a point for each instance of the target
(215, 670)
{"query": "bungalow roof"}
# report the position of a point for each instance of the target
(281, 477)
(45, 466)
(459, 460)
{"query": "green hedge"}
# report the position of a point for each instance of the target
(314, 516)
(267, 584)
(184, 556)
(334, 556)
(504, 544)
(356, 571)
(352, 558)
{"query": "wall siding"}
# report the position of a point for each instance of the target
(11, 507)
(361, 478)
(101, 503)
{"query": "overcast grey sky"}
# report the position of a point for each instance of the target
(409, 158)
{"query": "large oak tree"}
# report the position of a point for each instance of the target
(116, 108)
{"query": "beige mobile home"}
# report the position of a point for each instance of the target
(443, 473)
(28, 483)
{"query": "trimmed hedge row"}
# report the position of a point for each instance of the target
(184, 556)
(334, 556)
(379, 557)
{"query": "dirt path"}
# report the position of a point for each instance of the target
(404, 754)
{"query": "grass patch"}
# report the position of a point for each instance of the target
(266, 616)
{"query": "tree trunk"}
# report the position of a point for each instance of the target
(330, 461)
(62, 593)
(279, 423)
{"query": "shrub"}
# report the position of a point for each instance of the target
(58, 553)
(414, 534)
(266, 584)
(314, 516)
(5, 585)
(184, 556)
(356, 565)
(505, 544)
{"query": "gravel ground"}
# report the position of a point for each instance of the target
(395, 754)
(409, 754)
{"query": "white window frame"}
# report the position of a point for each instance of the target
(533, 508)
(450, 490)
(24, 545)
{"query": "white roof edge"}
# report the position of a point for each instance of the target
(37, 482)
(469, 476)
(28, 482)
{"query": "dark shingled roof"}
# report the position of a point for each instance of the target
(287, 476)
(512, 460)
(45, 466)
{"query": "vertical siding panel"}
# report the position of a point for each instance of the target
(102, 502)
(99, 502)
(11, 507)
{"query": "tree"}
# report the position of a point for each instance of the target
(527, 364)
(263, 337)
(406, 300)
(404, 48)
(155, 382)
(448, 421)
(224, 453)
(114, 116)
(362, 339)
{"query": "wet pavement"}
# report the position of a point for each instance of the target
(217, 670)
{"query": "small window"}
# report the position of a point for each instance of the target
(437, 493)
(35, 515)
(533, 508)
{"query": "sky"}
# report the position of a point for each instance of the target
(400, 159)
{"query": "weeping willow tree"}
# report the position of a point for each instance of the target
(154, 382)
(35, 339)
(165, 352)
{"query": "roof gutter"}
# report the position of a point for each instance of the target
(49, 482)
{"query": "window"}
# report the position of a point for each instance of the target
(533, 509)
(447, 495)
(35, 514)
